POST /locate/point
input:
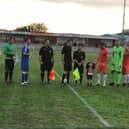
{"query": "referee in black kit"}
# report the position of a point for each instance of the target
(79, 60)
(46, 60)
(67, 61)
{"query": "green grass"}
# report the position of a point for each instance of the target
(53, 106)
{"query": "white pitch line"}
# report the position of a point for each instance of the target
(87, 105)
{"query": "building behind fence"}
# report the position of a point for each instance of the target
(58, 38)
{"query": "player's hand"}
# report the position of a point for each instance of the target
(52, 61)
(120, 65)
(41, 62)
(127, 48)
(27, 54)
(79, 64)
(103, 64)
(76, 61)
(14, 58)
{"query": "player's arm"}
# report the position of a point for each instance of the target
(74, 57)
(107, 56)
(52, 56)
(98, 55)
(112, 57)
(62, 55)
(126, 51)
(62, 58)
(40, 56)
(25, 52)
(121, 56)
(83, 58)
(40, 59)
(14, 54)
(7, 52)
(10, 53)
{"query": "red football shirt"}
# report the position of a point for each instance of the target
(103, 55)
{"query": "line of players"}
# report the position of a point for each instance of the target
(119, 64)
(119, 60)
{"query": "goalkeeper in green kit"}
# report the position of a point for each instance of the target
(9, 52)
(116, 68)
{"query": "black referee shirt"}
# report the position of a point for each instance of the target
(46, 53)
(79, 56)
(67, 52)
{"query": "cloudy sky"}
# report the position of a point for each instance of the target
(66, 16)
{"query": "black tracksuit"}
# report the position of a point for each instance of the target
(78, 57)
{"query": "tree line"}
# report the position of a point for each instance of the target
(34, 27)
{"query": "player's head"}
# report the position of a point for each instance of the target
(117, 43)
(69, 43)
(102, 45)
(27, 40)
(80, 46)
(11, 40)
(91, 60)
(128, 44)
(47, 42)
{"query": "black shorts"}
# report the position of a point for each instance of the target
(46, 66)
(68, 66)
(9, 65)
(89, 77)
(80, 68)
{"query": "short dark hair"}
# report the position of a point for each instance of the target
(10, 38)
(26, 39)
(80, 44)
(102, 44)
(69, 40)
(45, 40)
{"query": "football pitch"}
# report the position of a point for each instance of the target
(56, 106)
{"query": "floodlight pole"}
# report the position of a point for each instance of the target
(124, 17)
(123, 25)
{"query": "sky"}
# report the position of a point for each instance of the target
(94, 17)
